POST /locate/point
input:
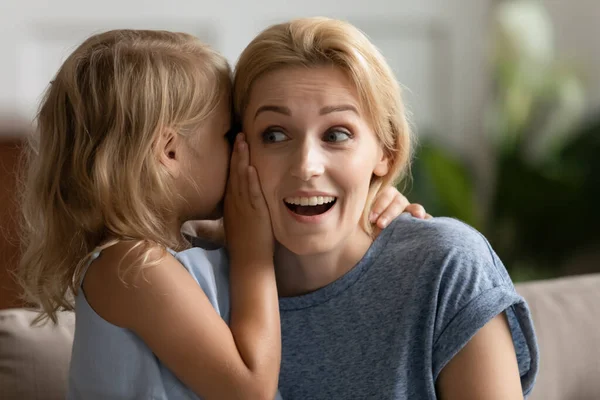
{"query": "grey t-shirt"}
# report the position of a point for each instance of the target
(388, 327)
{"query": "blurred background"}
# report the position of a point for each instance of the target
(504, 97)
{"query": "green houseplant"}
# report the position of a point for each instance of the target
(545, 157)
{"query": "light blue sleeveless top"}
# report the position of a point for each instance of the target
(109, 362)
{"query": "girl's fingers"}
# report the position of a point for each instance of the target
(242, 167)
(233, 165)
(416, 210)
(244, 181)
(254, 190)
(393, 210)
(397, 208)
(389, 197)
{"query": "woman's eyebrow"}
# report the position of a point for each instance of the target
(277, 109)
(325, 110)
(338, 108)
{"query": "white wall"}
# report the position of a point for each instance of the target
(435, 46)
(577, 38)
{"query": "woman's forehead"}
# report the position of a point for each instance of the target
(322, 87)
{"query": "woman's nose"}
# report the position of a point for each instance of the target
(308, 162)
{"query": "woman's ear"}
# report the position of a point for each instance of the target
(168, 148)
(383, 165)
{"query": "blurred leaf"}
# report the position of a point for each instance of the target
(445, 182)
(545, 196)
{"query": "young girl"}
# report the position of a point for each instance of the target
(132, 143)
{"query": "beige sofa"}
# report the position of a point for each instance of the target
(34, 361)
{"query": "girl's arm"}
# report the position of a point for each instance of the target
(166, 307)
(486, 368)
(254, 318)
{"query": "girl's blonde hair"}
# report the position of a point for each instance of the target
(314, 42)
(92, 170)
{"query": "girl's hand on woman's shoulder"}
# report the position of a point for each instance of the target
(389, 204)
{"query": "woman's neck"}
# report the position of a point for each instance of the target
(301, 274)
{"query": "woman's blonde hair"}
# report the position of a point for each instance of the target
(91, 169)
(314, 42)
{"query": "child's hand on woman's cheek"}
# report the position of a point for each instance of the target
(389, 204)
(248, 230)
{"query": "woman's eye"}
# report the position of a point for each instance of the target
(337, 135)
(274, 136)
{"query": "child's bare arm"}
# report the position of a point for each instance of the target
(166, 307)
(254, 318)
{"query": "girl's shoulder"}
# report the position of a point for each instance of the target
(127, 276)
(121, 273)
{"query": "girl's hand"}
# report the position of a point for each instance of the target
(254, 319)
(248, 231)
(389, 204)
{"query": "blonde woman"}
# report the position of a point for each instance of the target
(132, 142)
(426, 310)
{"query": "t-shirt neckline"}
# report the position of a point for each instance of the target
(341, 284)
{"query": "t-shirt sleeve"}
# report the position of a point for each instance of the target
(473, 288)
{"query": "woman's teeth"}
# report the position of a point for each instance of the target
(309, 201)
(310, 206)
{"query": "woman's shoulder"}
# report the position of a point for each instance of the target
(442, 247)
(436, 234)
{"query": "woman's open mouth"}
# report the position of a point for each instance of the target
(309, 206)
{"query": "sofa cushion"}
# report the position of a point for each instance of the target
(566, 316)
(34, 361)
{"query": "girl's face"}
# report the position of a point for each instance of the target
(315, 154)
(206, 161)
